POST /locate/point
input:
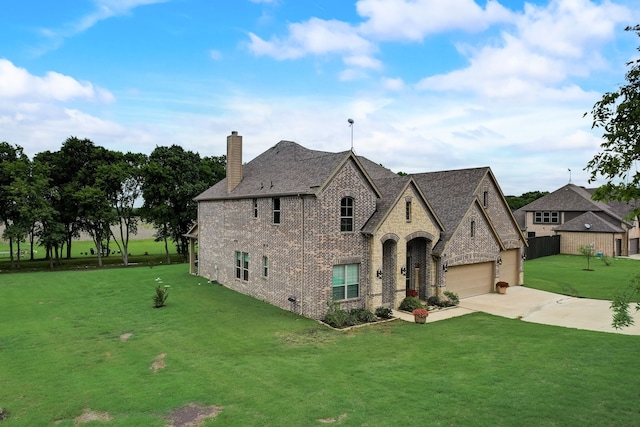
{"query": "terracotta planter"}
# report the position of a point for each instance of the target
(419, 319)
(502, 290)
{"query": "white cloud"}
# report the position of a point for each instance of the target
(415, 19)
(313, 37)
(104, 9)
(547, 47)
(18, 84)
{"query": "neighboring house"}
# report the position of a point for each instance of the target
(299, 228)
(571, 213)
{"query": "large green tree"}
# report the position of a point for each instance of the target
(172, 178)
(617, 114)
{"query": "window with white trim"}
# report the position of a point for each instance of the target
(346, 214)
(346, 281)
(242, 265)
(546, 217)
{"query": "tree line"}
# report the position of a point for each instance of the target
(49, 200)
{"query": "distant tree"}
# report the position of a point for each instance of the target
(516, 202)
(14, 170)
(122, 181)
(172, 178)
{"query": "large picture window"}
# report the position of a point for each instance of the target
(242, 266)
(346, 281)
(546, 217)
(346, 214)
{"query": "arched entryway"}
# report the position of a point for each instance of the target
(389, 267)
(418, 269)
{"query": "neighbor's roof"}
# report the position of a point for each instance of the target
(589, 222)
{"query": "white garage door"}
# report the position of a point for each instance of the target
(470, 280)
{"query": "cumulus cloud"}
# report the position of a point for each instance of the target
(313, 37)
(18, 84)
(415, 19)
(536, 59)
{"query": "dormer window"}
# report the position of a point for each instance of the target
(346, 214)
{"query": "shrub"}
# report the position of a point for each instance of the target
(410, 304)
(384, 313)
(161, 295)
(453, 297)
(362, 315)
(336, 316)
(433, 300)
(412, 293)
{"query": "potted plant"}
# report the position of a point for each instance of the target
(420, 315)
(502, 287)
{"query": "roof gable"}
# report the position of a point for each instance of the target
(589, 222)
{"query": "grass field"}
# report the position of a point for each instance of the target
(568, 275)
(62, 354)
(143, 252)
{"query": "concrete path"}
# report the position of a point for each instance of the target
(536, 306)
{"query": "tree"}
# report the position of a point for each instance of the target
(172, 178)
(588, 252)
(122, 183)
(618, 115)
(14, 167)
(516, 202)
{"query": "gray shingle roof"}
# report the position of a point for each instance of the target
(450, 193)
(285, 168)
(569, 198)
(596, 225)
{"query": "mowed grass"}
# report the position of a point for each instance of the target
(568, 275)
(142, 252)
(61, 353)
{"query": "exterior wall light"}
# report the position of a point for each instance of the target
(379, 273)
(403, 270)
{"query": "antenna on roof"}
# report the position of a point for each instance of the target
(569, 176)
(351, 126)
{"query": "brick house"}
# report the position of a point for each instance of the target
(298, 228)
(571, 213)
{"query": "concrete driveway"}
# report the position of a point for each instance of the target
(536, 306)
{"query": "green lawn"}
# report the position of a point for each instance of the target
(143, 252)
(61, 353)
(568, 275)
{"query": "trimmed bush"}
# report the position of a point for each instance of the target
(453, 297)
(384, 313)
(410, 304)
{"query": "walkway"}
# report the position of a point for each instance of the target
(532, 305)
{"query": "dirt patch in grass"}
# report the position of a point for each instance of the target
(126, 336)
(158, 363)
(338, 420)
(192, 415)
(88, 415)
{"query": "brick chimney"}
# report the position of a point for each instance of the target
(234, 160)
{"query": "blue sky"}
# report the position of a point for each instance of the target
(430, 84)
